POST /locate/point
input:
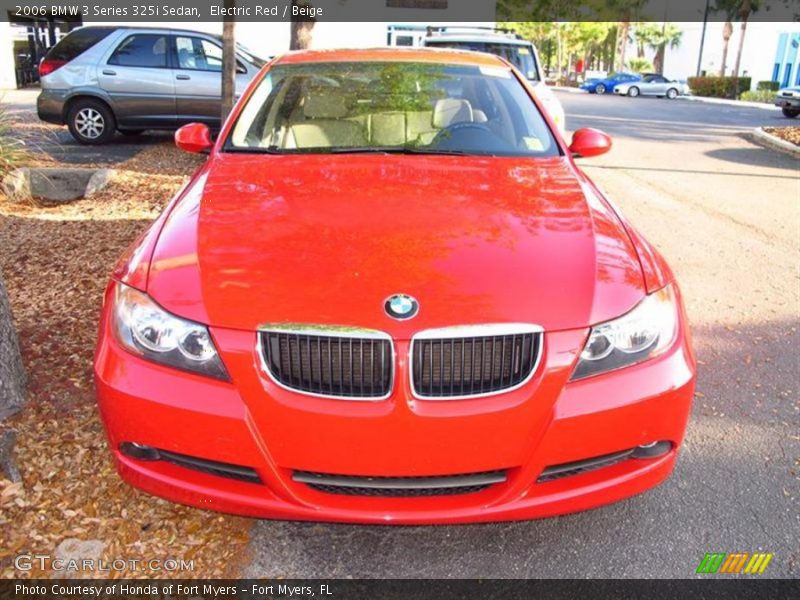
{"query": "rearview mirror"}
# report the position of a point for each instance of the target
(588, 142)
(194, 137)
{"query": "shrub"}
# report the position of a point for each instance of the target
(719, 87)
(766, 96)
(771, 86)
(12, 150)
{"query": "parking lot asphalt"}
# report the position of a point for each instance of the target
(726, 214)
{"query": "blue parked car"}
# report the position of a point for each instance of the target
(601, 86)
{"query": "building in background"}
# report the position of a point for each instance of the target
(786, 69)
(23, 43)
(769, 54)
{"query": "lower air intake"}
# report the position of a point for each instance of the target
(582, 466)
(447, 485)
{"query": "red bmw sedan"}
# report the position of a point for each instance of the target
(391, 296)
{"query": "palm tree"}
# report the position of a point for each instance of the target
(668, 36)
(657, 37)
(729, 8)
(228, 59)
(747, 8)
(301, 27)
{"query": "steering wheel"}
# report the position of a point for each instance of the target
(447, 132)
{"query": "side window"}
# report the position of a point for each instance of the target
(141, 50)
(213, 55)
(198, 54)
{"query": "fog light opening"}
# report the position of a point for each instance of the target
(652, 450)
(139, 451)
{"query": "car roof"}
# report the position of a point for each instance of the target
(427, 55)
(478, 38)
(151, 29)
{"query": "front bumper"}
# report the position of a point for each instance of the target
(277, 432)
(785, 102)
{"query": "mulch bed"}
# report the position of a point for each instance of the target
(56, 262)
(788, 134)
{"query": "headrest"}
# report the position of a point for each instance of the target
(451, 110)
(319, 105)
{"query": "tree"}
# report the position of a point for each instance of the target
(301, 26)
(659, 36)
(728, 8)
(746, 9)
(727, 32)
(228, 59)
(12, 375)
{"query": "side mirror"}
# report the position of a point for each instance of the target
(588, 142)
(194, 137)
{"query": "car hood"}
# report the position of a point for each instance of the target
(327, 239)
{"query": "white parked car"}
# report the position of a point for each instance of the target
(652, 85)
(511, 46)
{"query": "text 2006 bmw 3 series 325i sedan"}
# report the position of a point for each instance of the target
(390, 296)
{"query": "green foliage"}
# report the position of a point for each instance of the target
(719, 87)
(639, 65)
(653, 35)
(772, 86)
(766, 96)
(12, 150)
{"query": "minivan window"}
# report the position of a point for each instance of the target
(391, 107)
(141, 50)
(77, 42)
(198, 54)
(518, 55)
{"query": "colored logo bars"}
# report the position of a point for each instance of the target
(737, 562)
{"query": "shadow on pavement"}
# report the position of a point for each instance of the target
(757, 156)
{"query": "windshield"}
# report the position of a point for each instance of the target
(521, 56)
(391, 107)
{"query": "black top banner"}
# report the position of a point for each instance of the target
(393, 11)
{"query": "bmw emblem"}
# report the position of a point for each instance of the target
(401, 306)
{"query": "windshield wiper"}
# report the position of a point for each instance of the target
(395, 150)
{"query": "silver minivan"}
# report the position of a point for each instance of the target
(99, 80)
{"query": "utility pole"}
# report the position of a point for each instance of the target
(702, 38)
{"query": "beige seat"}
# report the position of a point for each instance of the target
(388, 129)
(324, 124)
(449, 111)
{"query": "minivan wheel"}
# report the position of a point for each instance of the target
(91, 122)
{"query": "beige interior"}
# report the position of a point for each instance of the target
(323, 121)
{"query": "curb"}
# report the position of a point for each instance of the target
(571, 90)
(759, 136)
(739, 103)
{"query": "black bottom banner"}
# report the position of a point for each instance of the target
(400, 589)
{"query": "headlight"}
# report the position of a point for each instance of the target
(643, 333)
(148, 330)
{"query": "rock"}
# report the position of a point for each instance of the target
(55, 184)
(17, 185)
(12, 374)
(99, 180)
